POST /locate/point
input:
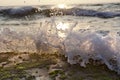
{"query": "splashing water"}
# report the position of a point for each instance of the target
(78, 38)
(79, 46)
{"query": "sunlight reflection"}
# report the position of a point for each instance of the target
(62, 6)
(62, 27)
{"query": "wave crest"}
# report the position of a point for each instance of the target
(29, 10)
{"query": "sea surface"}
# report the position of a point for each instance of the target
(80, 32)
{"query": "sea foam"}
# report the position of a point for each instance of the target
(79, 46)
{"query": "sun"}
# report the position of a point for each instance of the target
(62, 6)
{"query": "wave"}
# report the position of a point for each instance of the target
(18, 12)
(77, 45)
(29, 10)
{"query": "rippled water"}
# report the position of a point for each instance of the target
(79, 38)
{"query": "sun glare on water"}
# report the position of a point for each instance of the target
(62, 6)
(61, 27)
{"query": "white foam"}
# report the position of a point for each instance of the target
(77, 46)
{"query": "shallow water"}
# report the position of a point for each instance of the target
(80, 38)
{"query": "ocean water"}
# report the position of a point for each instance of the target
(80, 32)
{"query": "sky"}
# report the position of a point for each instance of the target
(47, 2)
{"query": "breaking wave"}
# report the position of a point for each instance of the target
(79, 46)
(48, 12)
(78, 42)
